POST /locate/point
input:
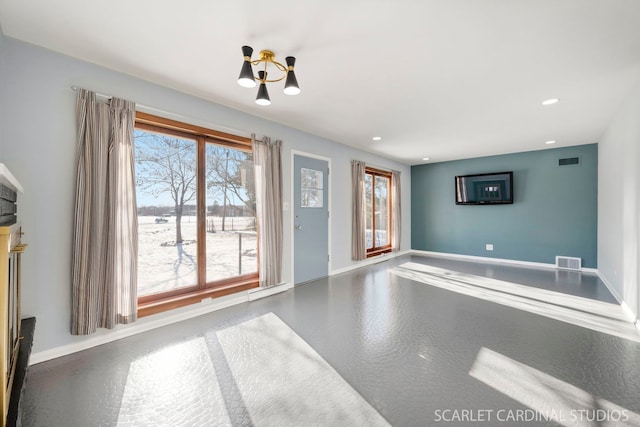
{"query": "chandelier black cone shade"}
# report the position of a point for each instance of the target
(291, 84)
(246, 78)
(263, 95)
(267, 62)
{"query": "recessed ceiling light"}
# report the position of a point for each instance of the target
(425, 158)
(550, 142)
(377, 138)
(550, 101)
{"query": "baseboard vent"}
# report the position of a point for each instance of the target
(569, 263)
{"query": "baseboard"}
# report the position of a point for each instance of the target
(495, 260)
(164, 319)
(633, 318)
(142, 325)
(630, 314)
(258, 293)
(611, 289)
(369, 261)
(157, 321)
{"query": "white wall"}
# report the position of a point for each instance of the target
(37, 114)
(619, 203)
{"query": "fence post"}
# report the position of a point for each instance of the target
(239, 254)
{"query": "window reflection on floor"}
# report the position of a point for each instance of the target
(595, 315)
(548, 398)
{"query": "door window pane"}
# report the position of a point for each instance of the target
(311, 187)
(166, 199)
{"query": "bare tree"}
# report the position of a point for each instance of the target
(230, 172)
(166, 164)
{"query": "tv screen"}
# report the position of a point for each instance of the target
(484, 189)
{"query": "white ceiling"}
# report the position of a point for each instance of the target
(447, 79)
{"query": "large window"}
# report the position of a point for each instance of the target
(197, 233)
(378, 211)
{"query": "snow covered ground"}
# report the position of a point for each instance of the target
(163, 265)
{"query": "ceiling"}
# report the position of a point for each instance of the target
(444, 79)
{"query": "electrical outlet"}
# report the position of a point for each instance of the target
(489, 246)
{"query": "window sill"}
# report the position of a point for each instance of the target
(170, 303)
(379, 251)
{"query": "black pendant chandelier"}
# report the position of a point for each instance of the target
(248, 79)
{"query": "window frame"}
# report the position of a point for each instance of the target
(379, 250)
(168, 300)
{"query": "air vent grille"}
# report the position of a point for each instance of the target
(569, 263)
(569, 161)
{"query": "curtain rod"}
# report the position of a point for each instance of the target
(384, 168)
(105, 96)
(153, 110)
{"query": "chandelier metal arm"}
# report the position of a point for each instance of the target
(276, 63)
(270, 81)
(266, 57)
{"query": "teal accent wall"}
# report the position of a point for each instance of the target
(555, 208)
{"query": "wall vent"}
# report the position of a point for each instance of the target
(569, 263)
(569, 161)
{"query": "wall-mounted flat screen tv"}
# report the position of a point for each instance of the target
(485, 189)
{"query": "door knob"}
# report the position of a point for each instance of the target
(298, 227)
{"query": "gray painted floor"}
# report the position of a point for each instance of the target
(569, 282)
(420, 355)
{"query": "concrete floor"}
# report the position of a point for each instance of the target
(420, 355)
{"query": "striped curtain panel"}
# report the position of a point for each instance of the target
(105, 244)
(396, 212)
(358, 220)
(268, 175)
